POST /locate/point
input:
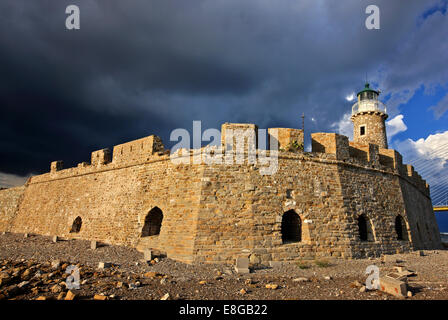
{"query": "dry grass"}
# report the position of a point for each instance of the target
(322, 263)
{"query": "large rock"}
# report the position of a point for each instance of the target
(104, 265)
(70, 295)
(254, 259)
(393, 286)
(242, 265)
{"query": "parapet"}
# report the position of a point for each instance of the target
(137, 150)
(83, 165)
(391, 158)
(330, 143)
(246, 131)
(365, 152)
(101, 157)
(286, 137)
(56, 166)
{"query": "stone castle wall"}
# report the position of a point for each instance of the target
(214, 213)
(9, 203)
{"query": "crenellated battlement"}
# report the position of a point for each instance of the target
(56, 166)
(100, 157)
(367, 154)
(135, 151)
(332, 144)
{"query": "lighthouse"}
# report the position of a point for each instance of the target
(368, 117)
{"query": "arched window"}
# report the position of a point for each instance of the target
(76, 226)
(153, 222)
(365, 229)
(400, 228)
(291, 227)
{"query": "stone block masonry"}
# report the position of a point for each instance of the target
(343, 199)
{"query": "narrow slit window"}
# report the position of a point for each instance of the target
(362, 130)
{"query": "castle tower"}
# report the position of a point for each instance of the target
(368, 116)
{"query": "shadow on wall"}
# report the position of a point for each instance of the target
(76, 226)
(153, 223)
(365, 229)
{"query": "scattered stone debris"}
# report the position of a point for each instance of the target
(100, 297)
(254, 259)
(104, 265)
(56, 288)
(165, 297)
(134, 285)
(275, 264)
(398, 276)
(242, 265)
(356, 284)
(30, 275)
(148, 255)
(393, 286)
(152, 274)
(55, 239)
(70, 295)
(93, 245)
(55, 264)
(301, 279)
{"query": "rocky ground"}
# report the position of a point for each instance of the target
(35, 268)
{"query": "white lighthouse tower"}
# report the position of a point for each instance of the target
(368, 117)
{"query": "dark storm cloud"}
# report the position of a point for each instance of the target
(142, 67)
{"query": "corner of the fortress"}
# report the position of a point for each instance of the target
(331, 143)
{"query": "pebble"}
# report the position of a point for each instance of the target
(165, 297)
(272, 286)
(301, 279)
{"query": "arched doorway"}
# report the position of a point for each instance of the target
(365, 229)
(291, 227)
(76, 226)
(400, 228)
(153, 222)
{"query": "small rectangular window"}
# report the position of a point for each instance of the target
(362, 130)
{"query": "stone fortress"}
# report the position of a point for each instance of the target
(344, 199)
